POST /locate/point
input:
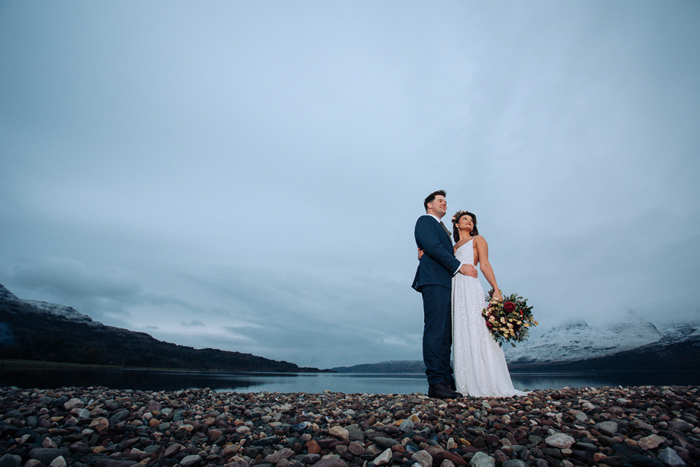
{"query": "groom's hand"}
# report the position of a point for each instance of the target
(468, 270)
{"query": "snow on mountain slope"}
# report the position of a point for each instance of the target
(579, 341)
(33, 306)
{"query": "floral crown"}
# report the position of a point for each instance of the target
(459, 214)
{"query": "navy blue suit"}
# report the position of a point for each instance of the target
(434, 281)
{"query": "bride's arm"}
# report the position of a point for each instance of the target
(482, 248)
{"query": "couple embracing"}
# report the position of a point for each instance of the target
(453, 300)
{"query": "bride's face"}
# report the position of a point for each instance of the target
(465, 223)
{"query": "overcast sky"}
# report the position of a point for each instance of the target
(247, 175)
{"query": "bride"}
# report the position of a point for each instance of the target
(479, 363)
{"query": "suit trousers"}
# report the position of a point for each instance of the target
(437, 333)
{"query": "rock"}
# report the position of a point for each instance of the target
(313, 447)
(73, 403)
(274, 458)
(9, 460)
(481, 459)
(339, 432)
(680, 425)
(384, 443)
(191, 461)
(560, 441)
(651, 442)
(423, 458)
(331, 462)
(670, 457)
(609, 427)
(407, 425)
(58, 462)
(514, 463)
(46, 456)
(643, 461)
(383, 458)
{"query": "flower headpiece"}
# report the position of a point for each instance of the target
(459, 214)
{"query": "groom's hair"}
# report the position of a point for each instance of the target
(431, 197)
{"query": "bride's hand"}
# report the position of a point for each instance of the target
(420, 253)
(497, 295)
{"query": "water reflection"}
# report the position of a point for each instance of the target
(153, 380)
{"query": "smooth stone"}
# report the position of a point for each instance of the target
(383, 458)
(609, 427)
(670, 457)
(644, 461)
(58, 462)
(47, 455)
(339, 432)
(680, 425)
(650, 442)
(9, 460)
(274, 458)
(407, 426)
(514, 463)
(560, 441)
(331, 462)
(481, 459)
(356, 449)
(385, 442)
(423, 458)
(191, 460)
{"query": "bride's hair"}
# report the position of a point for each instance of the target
(455, 221)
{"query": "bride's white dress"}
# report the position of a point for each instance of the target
(479, 364)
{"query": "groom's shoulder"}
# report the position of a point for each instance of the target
(425, 219)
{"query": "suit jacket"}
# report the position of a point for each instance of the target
(438, 264)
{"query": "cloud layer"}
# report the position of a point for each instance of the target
(246, 176)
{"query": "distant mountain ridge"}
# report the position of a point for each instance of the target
(62, 334)
(576, 346)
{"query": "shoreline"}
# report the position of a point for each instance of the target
(98, 426)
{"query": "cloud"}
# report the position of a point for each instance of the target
(246, 178)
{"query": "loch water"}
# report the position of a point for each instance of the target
(349, 383)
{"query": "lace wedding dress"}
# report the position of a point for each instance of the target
(479, 364)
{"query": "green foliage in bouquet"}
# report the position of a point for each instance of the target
(509, 320)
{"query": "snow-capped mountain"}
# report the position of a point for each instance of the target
(578, 341)
(59, 311)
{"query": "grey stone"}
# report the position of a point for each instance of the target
(670, 457)
(119, 417)
(191, 460)
(609, 428)
(331, 462)
(9, 460)
(46, 455)
(481, 459)
(355, 433)
(383, 458)
(385, 442)
(275, 457)
(423, 458)
(406, 426)
(560, 441)
(514, 463)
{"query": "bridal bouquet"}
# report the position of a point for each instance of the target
(509, 320)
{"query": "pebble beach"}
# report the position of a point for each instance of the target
(97, 426)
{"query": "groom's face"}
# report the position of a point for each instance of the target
(438, 206)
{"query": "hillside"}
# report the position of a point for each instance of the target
(33, 330)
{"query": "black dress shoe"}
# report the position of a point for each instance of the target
(441, 391)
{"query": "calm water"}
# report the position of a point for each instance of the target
(316, 383)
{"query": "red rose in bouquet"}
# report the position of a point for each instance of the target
(508, 320)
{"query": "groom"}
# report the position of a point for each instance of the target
(434, 281)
